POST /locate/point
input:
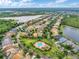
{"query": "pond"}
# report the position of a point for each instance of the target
(71, 32)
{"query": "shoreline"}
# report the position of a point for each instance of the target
(61, 30)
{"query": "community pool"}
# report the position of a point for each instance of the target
(39, 44)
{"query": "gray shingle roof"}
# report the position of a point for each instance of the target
(6, 41)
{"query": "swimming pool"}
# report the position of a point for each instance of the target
(39, 44)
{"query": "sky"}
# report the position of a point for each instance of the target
(39, 3)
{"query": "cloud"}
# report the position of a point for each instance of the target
(60, 1)
(25, 0)
(15, 4)
(24, 4)
(74, 5)
(48, 5)
(11, 1)
(34, 4)
(5, 2)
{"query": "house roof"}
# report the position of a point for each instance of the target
(62, 39)
(7, 41)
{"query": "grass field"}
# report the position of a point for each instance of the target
(6, 25)
(72, 20)
(53, 52)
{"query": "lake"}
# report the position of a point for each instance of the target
(71, 32)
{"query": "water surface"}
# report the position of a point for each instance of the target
(71, 32)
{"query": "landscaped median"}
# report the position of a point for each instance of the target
(53, 50)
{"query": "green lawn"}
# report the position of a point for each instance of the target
(53, 52)
(6, 25)
(71, 21)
